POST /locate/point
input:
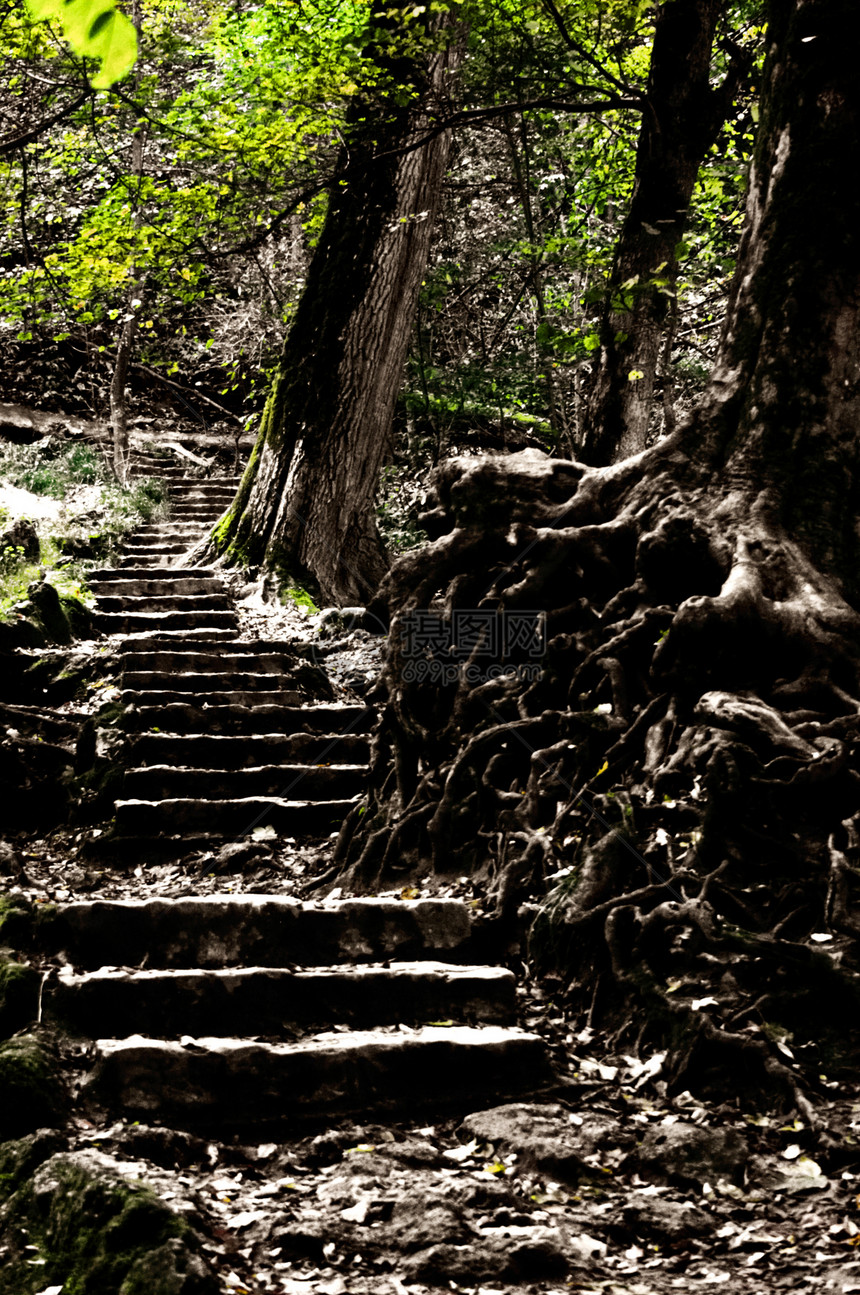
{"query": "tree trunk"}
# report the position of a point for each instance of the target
(681, 120)
(128, 327)
(678, 783)
(305, 505)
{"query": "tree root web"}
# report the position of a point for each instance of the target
(676, 786)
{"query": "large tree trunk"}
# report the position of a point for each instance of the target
(681, 119)
(679, 782)
(305, 505)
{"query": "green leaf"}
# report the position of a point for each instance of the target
(93, 29)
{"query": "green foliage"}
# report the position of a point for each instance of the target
(299, 598)
(94, 29)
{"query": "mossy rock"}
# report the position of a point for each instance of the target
(32, 1091)
(16, 922)
(19, 995)
(98, 1233)
(48, 612)
(20, 1159)
(80, 619)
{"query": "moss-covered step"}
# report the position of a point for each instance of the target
(256, 930)
(209, 1082)
(291, 781)
(112, 1003)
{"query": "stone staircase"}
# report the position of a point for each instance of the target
(256, 1010)
(223, 736)
(237, 1011)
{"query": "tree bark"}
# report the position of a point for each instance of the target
(681, 119)
(305, 504)
(781, 415)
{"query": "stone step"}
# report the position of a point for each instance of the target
(241, 662)
(159, 531)
(213, 751)
(216, 699)
(133, 604)
(212, 931)
(211, 635)
(107, 575)
(288, 781)
(111, 1003)
(235, 817)
(212, 1082)
(138, 586)
(157, 552)
(124, 622)
(195, 681)
(178, 718)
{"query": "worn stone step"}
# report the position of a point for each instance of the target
(178, 718)
(108, 575)
(211, 931)
(138, 586)
(214, 751)
(232, 817)
(159, 531)
(240, 1083)
(240, 662)
(123, 622)
(158, 552)
(113, 1003)
(152, 634)
(179, 680)
(215, 600)
(287, 781)
(217, 699)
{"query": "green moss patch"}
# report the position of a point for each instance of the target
(94, 1232)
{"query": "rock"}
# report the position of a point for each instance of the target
(417, 1224)
(169, 1148)
(688, 1153)
(23, 537)
(32, 1092)
(47, 611)
(20, 633)
(19, 996)
(99, 1228)
(542, 1254)
(81, 620)
(10, 860)
(543, 1137)
(20, 1158)
(671, 1221)
(235, 856)
(339, 620)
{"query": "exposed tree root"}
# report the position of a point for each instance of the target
(677, 780)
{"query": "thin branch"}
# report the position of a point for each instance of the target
(11, 142)
(177, 386)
